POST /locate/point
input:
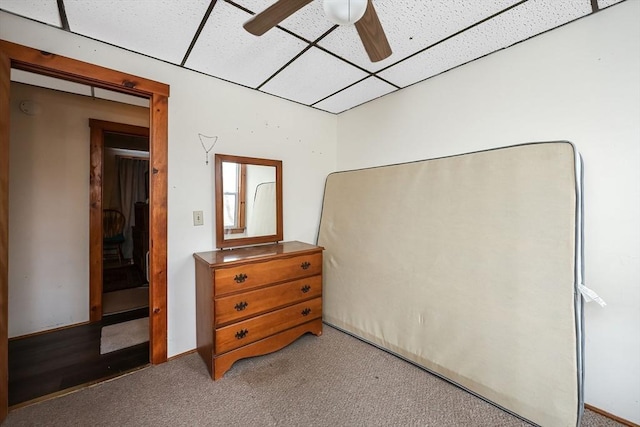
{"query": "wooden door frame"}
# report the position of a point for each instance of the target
(16, 56)
(96, 174)
(5, 74)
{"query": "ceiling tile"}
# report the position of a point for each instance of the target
(308, 22)
(40, 10)
(524, 21)
(357, 94)
(162, 28)
(606, 3)
(313, 76)
(224, 49)
(40, 80)
(412, 26)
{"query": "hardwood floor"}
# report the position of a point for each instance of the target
(55, 361)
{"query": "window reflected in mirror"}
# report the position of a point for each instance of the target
(233, 176)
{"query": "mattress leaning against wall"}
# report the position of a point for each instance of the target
(467, 266)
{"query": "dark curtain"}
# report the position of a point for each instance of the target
(131, 188)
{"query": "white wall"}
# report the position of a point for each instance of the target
(580, 83)
(49, 205)
(246, 122)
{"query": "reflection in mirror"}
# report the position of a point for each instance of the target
(248, 200)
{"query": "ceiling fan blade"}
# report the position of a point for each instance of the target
(372, 35)
(273, 15)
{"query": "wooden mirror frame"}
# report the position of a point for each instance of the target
(221, 242)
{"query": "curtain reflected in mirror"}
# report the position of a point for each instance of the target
(248, 200)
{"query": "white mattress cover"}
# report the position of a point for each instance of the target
(468, 267)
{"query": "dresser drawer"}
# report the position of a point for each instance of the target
(238, 306)
(253, 275)
(250, 330)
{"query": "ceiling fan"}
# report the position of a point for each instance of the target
(358, 12)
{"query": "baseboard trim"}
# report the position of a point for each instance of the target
(182, 354)
(610, 416)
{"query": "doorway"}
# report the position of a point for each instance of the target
(125, 225)
(29, 59)
(126, 261)
(50, 346)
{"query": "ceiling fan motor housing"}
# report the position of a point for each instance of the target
(344, 12)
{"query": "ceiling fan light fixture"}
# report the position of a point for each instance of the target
(344, 12)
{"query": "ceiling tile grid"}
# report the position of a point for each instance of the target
(306, 58)
(161, 29)
(224, 49)
(366, 90)
(411, 26)
(309, 22)
(514, 25)
(312, 77)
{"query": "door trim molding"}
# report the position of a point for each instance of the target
(5, 73)
(46, 63)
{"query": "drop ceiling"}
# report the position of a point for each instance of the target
(307, 59)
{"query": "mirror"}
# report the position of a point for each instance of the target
(248, 200)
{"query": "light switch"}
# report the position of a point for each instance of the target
(197, 218)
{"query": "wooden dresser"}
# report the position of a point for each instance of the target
(255, 300)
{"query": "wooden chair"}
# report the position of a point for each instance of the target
(112, 234)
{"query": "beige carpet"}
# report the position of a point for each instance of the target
(331, 380)
(125, 334)
(125, 300)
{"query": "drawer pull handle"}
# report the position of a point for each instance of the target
(241, 306)
(305, 265)
(240, 278)
(305, 289)
(306, 311)
(242, 333)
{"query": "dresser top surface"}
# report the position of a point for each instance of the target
(237, 255)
